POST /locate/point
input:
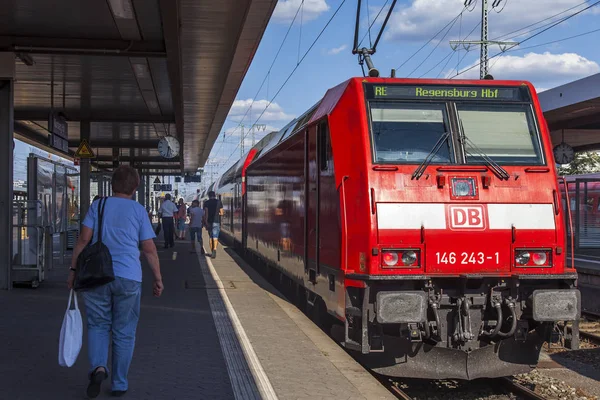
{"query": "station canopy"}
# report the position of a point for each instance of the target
(572, 112)
(132, 71)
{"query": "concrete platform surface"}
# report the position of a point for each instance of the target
(300, 360)
(219, 331)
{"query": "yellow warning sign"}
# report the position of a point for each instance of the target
(84, 150)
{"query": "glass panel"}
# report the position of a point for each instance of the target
(406, 133)
(45, 176)
(505, 133)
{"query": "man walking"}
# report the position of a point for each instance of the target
(167, 211)
(213, 210)
(196, 219)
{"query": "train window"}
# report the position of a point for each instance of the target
(324, 147)
(408, 132)
(504, 132)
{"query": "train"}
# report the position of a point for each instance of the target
(422, 218)
(584, 207)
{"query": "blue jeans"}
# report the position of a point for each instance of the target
(114, 307)
(214, 230)
(196, 232)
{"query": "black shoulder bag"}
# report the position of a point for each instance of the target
(94, 264)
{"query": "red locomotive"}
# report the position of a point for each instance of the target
(423, 215)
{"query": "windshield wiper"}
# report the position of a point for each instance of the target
(421, 168)
(493, 165)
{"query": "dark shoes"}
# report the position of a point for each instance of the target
(214, 254)
(118, 393)
(93, 389)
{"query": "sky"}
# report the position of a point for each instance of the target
(544, 57)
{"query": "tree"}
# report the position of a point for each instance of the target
(585, 162)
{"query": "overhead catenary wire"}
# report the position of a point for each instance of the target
(545, 44)
(504, 36)
(291, 74)
(452, 21)
(436, 46)
(372, 23)
(267, 75)
(369, 23)
(531, 37)
(448, 57)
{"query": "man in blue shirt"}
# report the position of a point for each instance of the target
(196, 220)
(167, 210)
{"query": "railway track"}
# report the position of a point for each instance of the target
(496, 387)
(515, 387)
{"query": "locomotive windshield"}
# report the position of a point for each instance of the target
(405, 132)
(493, 124)
(504, 132)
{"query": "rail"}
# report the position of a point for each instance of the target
(513, 386)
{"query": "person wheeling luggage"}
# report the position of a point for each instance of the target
(213, 210)
(168, 210)
(196, 220)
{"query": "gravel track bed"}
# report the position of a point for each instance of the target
(551, 388)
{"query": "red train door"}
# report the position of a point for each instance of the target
(312, 206)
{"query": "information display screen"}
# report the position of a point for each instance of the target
(437, 92)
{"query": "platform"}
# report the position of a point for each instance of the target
(219, 331)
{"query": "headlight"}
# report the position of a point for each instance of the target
(390, 258)
(409, 257)
(539, 258)
(523, 257)
(533, 258)
(399, 258)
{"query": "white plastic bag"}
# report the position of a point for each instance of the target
(71, 334)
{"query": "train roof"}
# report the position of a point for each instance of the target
(325, 106)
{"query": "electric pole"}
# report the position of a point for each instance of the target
(260, 127)
(484, 42)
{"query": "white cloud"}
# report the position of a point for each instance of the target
(273, 113)
(337, 50)
(423, 18)
(546, 70)
(286, 9)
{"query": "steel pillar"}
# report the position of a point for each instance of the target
(6, 167)
(85, 175)
(483, 56)
(6, 180)
(141, 191)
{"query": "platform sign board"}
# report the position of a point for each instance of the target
(84, 150)
(193, 179)
(156, 180)
(57, 125)
(165, 187)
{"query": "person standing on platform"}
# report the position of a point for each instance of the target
(114, 308)
(213, 210)
(196, 220)
(168, 211)
(181, 215)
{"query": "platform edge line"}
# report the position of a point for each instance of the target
(262, 380)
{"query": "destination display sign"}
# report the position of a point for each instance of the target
(430, 92)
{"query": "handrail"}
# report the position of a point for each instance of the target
(458, 168)
(385, 168)
(537, 169)
(343, 187)
(566, 188)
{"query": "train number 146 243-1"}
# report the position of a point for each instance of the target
(466, 258)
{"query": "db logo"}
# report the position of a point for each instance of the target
(466, 217)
